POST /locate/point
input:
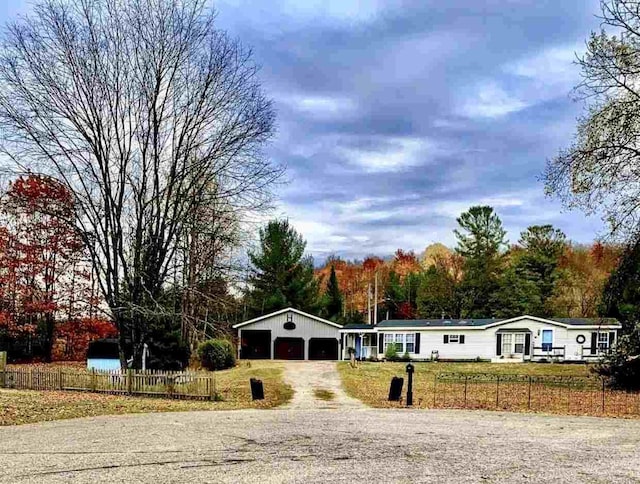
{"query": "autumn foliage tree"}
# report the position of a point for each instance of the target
(44, 275)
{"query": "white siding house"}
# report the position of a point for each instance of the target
(508, 340)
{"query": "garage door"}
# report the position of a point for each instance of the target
(255, 344)
(289, 349)
(323, 349)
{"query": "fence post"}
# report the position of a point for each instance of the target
(92, 386)
(129, 380)
(3, 368)
(435, 381)
(60, 378)
(497, 390)
(603, 390)
(212, 387)
(466, 377)
(30, 382)
(529, 395)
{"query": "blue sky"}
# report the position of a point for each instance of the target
(396, 116)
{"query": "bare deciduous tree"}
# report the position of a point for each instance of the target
(139, 107)
(600, 171)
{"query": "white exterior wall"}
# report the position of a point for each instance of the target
(306, 328)
(481, 342)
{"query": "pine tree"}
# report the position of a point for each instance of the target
(480, 242)
(333, 297)
(282, 275)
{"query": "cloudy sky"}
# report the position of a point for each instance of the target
(396, 116)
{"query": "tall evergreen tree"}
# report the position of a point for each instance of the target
(543, 246)
(438, 294)
(282, 275)
(333, 297)
(481, 239)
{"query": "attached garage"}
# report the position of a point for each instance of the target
(323, 349)
(289, 349)
(255, 345)
(289, 334)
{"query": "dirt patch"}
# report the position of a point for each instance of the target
(323, 394)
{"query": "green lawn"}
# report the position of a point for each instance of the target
(369, 382)
(29, 406)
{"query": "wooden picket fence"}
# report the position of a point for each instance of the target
(168, 384)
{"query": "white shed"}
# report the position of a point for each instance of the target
(289, 334)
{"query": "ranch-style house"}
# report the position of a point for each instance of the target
(296, 335)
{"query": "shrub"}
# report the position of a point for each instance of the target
(622, 365)
(391, 353)
(216, 354)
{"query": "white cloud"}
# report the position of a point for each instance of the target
(453, 209)
(319, 106)
(491, 101)
(552, 66)
(398, 154)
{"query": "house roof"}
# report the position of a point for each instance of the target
(488, 323)
(286, 310)
(435, 323)
(587, 321)
(358, 326)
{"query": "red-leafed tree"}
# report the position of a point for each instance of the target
(44, 276)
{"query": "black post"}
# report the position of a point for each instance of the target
(395, 389)
(410, 370)
(257, 390)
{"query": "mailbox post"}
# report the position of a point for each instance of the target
(410, 370)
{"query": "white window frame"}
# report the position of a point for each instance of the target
(603, 345)
(399, 340)
(389, 339)
(454, 338)
(412, 342)
(517, 343)
(507, 344)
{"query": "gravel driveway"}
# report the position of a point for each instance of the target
(307, 376)
(323, 446)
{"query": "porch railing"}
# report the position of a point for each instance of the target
(549, 351)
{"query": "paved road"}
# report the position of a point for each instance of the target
(316, 441)
(307, 376)
(323, 446)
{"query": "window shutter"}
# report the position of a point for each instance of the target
(446, 339)
(462, 339)
(612, 338)
(498, 344)
(374, 339)
(594, 343)
(381, 343)
(417, 345)
(527, 344)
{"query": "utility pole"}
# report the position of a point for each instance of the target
(369, 303)
(375, 301)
